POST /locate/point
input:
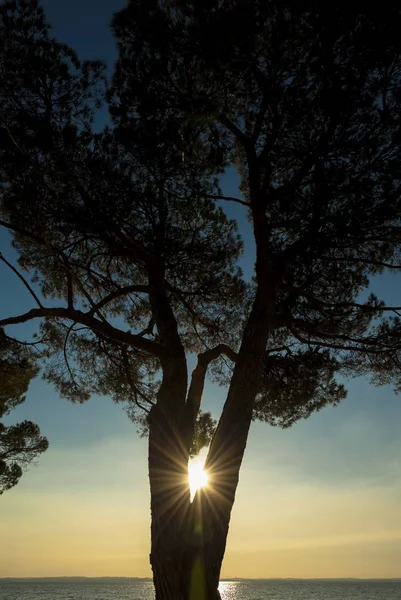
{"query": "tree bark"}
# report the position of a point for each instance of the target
(169, 498)
(184, 567)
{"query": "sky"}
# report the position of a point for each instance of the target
(322, 499)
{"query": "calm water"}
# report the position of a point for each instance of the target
(132, 589)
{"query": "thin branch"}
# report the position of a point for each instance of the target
(335, 346)
(365, 307)
(71, 276)
(24, 281)
(145, 289)
(309, 162)
(25, 233)
(131, 248)
(279, 349)
(264, 106)
(236, 131)
(130, 381)
(71, 247)
(366, 261)
(66, 357)
(263, 83)
(372, 344)
(59, 253)
(188, 307)
(371, 341)
(12, 339)
(98, 277)
(230, 199)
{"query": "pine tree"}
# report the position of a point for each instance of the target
(136, 263)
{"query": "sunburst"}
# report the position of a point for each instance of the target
(197, 476)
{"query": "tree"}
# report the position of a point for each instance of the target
(122, 231)
(20, 444)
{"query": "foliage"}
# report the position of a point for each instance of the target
(90, 237)
(306, 105)
(20, 444)
(121, 229)
(204, 429)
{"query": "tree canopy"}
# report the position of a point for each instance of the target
(301, 99)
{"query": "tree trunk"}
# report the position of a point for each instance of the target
(194, 581)
(185, 566)
(189, 540)
(192, 577)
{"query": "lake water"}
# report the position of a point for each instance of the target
(246, 589)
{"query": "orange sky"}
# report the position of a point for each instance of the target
(86, 513)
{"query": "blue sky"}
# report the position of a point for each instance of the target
(320, 499)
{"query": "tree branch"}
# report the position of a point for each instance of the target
(356, 260)
(195, 391)
(70, 290)
(372, 345)
(36, 343)
(230, 199)
(336, 346)
(17, 229)
(24, 281)
(131, 382)
(188, 307)
(71, 276)
(259, 119)
(66, 357)
(134, 250)
(149, 329)
(64, 260)
(145, 289)
(236, 131)
(365, 307)
(308, 163)
(104, 328)
(206, 357)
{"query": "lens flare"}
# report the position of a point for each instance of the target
(197, 476)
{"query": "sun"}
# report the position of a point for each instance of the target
(197, 476)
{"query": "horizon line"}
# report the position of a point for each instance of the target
(222, 579)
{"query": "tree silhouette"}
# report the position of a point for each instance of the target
(20, 444)
(136, 261)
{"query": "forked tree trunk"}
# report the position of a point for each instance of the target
(189, 540)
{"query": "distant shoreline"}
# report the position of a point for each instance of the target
(84, 578)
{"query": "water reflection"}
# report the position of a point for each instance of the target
(229, 590)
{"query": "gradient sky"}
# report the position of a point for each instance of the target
(322, 499)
